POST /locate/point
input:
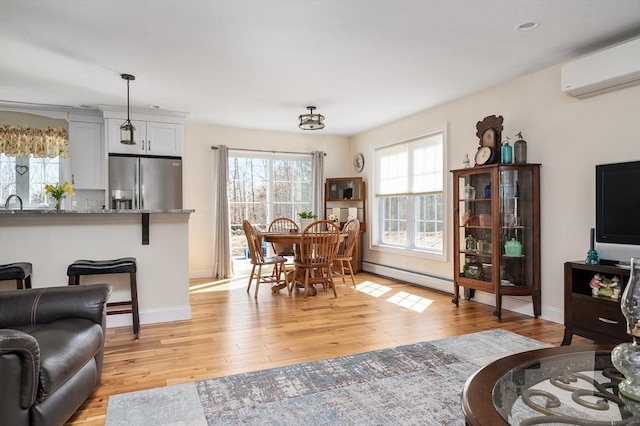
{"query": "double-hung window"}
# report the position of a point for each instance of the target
(409, 195)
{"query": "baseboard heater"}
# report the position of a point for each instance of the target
(423, 279)
(445, 284)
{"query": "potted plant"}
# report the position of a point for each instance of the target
(306, 218)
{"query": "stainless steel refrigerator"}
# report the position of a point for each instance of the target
(145, 183)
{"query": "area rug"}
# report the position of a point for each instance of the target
(406, 385)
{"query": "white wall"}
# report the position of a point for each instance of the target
(567, 136)
(198, 174)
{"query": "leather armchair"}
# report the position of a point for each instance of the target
(51, 351)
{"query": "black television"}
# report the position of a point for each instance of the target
(618, 203)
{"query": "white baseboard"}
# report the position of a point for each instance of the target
(519, 304)
(151, 316)
(200, 273)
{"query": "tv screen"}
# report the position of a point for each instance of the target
(618, 203)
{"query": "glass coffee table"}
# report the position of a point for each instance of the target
(561, 385)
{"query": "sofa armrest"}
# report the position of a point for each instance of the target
(20, 354)
(44, 305)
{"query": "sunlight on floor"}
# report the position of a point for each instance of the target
(402, 299)
(372, 289)
(410, 301)
(219, 285)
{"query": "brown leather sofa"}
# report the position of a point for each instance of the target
(51, 351)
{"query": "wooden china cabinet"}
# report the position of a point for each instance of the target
(497, 232)
(346, 196)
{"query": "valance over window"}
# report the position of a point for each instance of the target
(21, 141)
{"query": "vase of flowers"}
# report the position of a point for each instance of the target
(58, 192)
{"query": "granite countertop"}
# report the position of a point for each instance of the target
(90, 211)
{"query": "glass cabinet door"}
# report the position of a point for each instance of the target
(475, 226)
(517, 227)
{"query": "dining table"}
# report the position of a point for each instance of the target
(293, 237)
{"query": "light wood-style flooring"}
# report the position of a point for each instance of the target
(230, 332)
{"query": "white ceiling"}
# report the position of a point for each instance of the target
(258, 64)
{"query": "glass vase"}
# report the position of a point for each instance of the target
(58, 203)
(626, 356)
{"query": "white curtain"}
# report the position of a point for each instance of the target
(222, 265)
(318, 182)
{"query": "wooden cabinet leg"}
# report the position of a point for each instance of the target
(568, 335)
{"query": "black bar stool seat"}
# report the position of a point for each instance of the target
(19, 271)
(116, 266)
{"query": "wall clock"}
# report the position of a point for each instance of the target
(489, 133)
(485, 155)
(358, 162)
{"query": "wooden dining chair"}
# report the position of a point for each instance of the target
(344, 255)
(318, 245)
(258, 260)
(282, 224)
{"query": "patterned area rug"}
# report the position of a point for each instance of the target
(405, 385)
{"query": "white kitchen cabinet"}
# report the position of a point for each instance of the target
(151, 138)
(86, 155)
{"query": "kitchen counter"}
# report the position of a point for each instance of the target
(53, 239)
(94, 211)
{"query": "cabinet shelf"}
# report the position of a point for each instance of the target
(496, 220)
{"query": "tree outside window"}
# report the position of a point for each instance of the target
(264, 186)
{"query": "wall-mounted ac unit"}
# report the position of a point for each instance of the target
(604, 71)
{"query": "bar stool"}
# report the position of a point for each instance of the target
(20, 271)
(116, 266)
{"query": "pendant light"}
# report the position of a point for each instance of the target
(311, 121)
(127, 129)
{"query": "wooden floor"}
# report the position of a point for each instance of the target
(231, 332)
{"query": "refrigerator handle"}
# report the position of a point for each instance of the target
(136, 186)
(141, 184)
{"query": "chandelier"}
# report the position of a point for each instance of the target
(127, 129)
(311, 121)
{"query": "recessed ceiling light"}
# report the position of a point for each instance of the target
(527, 26)
(154, 106)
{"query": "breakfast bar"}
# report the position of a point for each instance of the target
(53, 239)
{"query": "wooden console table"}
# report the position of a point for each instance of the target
(594, 317)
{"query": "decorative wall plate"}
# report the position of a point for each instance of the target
(358, 162)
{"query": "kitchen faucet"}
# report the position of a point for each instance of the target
(6, 203)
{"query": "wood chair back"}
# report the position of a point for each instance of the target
(254, 243)
(352, 229)
(319, 243)
(282, 224)
(344, 256)
(318, 246)
(278, 277)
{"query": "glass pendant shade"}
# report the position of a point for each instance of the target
(126, 133)
(127, 129)
(311, 121)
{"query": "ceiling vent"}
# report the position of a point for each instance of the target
(610, 69)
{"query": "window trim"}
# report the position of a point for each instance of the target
(374, 244)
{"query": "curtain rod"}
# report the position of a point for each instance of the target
(264, 150)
